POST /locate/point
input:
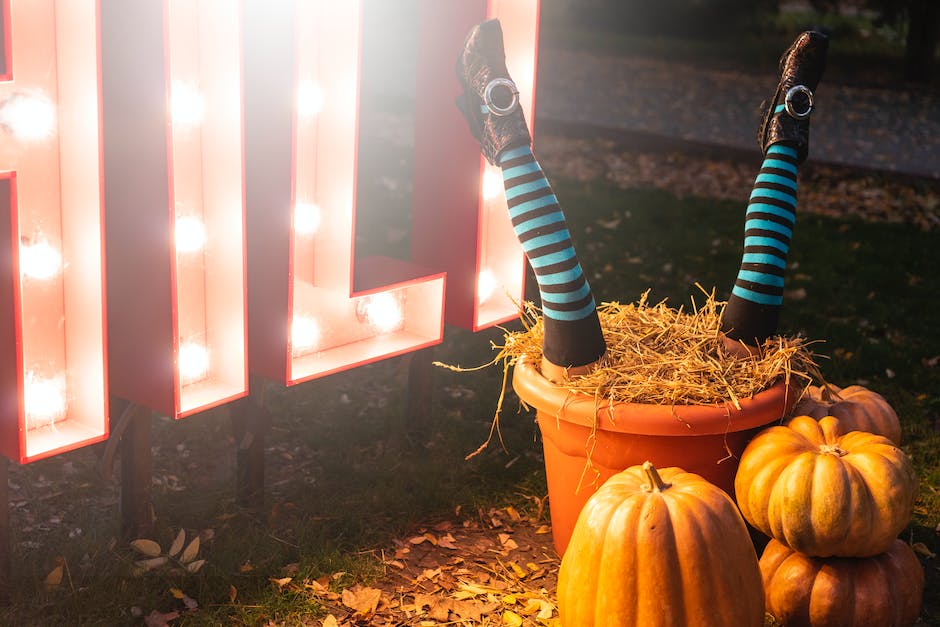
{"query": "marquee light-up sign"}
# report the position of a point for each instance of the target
(52, 369)
(302, 140)
(175, 202)
(151, 92)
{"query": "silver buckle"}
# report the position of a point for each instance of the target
(488, 96)
(788, 101)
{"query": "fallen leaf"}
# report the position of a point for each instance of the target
(54, 578)
(146, 547)
(177, 545)
(330, 621)
(447, 542)
(543, 529)
(509, 599)
(193, 567)
(512, 619)
(247, 567)
(519, 571)
(190, 553)
(363, 600)
(177, 593)
(232, 593)
(438, 607)
(513, 514)
(920, 547)
(280, 583)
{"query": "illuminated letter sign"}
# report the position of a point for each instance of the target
(51, 288)
(307, 319)
(303, 137)
(175, 202)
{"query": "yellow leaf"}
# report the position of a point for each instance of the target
(232, 593)
(509, 599)
(280, 583)
(177, 593)
(54, 578)
(547, 610)
(189, 554)
(363, 600)
(513, 514)
(532, 566)
(512, 619)
(193, 567)
(543, 529)
(519, 570)
(146, 547)
(330, 621)
(531, 607)
(177, 545)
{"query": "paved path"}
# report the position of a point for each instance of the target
(871, 128)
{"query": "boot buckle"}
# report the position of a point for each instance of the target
(488, 97)
(789, 104)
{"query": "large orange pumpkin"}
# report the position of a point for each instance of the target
(881, 591)
(823, 492)
(660, 548)
(856, 407)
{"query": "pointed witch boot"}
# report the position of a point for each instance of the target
(786, 116)
(490, 100)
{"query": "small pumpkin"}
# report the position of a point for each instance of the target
(856, 407)
(824, 492)
(658, 548)
(881, 591)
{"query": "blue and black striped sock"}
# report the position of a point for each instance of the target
(573, 335)
(753, 309)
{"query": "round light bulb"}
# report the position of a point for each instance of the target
(30, 117)
(187, 105)
(305, 334)
(492, 183)
(486, 285)
(193, 362)
(40, 261)
(383, 312)
(190, 234)
(310, 99)
(306, 218)
(44, 399)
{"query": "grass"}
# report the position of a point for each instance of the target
(347, 472)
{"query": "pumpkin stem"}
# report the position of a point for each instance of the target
(656, 483)
(833, 449)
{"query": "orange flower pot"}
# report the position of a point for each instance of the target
(705, 439)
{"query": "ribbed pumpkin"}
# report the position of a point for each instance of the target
(660, 548)
(881, 591)
(823, 492)
(856, 407)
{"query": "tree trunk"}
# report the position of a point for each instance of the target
(922, 36)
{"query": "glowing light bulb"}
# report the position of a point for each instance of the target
(306, 218)
(492, 183)
(190, 234)
(44, 399)
(40, 261)
(486, 285)
(310, 99)
(383, 312)
(193, 362)
(187, 105)
(30, 117)
(305, 334)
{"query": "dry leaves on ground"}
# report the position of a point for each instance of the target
(830, 191)
(498, 568)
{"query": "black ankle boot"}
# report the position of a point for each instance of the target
(801, 67)
(490, 100)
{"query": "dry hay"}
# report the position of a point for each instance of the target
(657, 354)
